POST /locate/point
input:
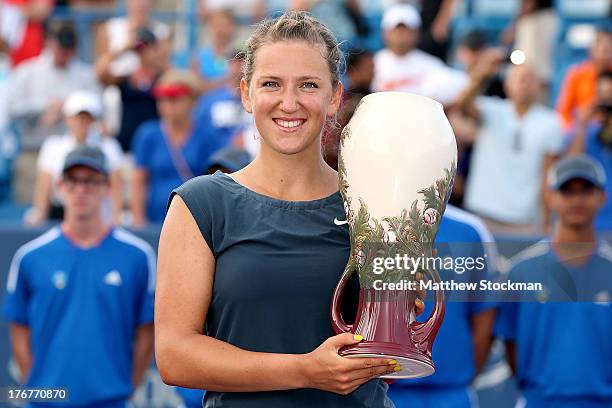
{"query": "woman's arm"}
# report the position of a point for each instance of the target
(482, 334)
(116, 188)
(41, 200)
(185, 357)
(143, 351)
(140, 179)
(22, 350)
(103, 67)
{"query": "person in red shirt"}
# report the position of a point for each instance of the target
(578, 91)
(35, 12)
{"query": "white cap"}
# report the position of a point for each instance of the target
(82, 101)
(401, 14)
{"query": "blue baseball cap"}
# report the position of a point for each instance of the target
(86, 156)
(230, 158)
(578, 166)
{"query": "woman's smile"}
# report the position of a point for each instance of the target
(288, 124)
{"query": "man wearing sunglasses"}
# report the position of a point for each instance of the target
(80, 297)
(558, 339)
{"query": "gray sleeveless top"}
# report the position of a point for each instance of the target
(277, 263)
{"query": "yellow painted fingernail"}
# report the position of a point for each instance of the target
(358, 337)
(393, 362)
(397, 368)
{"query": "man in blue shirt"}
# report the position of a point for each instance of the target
(80, 298)
(463, 342)
(219, 114)
(594, 137)
(559, 338)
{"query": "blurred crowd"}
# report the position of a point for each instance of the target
(517, 104)
(160, 123)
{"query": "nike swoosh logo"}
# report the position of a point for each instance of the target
(338, 222)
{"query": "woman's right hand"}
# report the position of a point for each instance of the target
(326, 370)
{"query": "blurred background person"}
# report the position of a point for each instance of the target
(219, 115)
(246, 10)
(359, 73)
(516, 141)
(578, 90)
(39, 87)
(358, 78)
(22, 27)
(343, 17)
(168, 151)
(400, 66)
(118, 36)
(85, 289)
(574, 265)
(211, 62)
(534, 31)
(473, 53)
(482, 63)
(594, 137)
(81, 112)
(228, 160)
(436, 16)
(462, 345)
(136, 89)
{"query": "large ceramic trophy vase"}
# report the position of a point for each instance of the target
(396, 167)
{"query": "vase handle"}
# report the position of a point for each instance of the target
(425, 332)
(338, 323)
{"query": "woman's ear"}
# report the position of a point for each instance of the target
(244, 95)
(336, 99)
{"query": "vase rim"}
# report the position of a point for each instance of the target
(404, 95)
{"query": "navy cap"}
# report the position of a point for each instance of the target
(230, 158)
(578, 166)
(86, 156)
(144, 37)
(65, 35)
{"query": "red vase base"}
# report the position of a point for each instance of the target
(414, 363)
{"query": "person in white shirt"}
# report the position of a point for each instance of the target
(515, 143)
(39, 86)
(81, 110)
(404, 68)
(119, 33)
(249, 10)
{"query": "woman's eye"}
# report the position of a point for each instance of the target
(309, 85)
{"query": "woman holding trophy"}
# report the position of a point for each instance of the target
(248, 261)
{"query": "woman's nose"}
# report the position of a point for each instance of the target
(289, 101)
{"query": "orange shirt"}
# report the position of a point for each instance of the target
(577, 93)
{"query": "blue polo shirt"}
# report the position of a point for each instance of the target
(564, 347)
(461, 234)
(82, 306)
(220, 115)
(211, 65)
(152, 153)
(594, 148)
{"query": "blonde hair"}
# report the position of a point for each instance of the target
(294, 26)
(181, 77)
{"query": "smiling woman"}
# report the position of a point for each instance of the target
(248, 261)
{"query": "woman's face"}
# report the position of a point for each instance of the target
(79, 125)
(175, 108)
(149, 55)
(139, 10)
(290, 95)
